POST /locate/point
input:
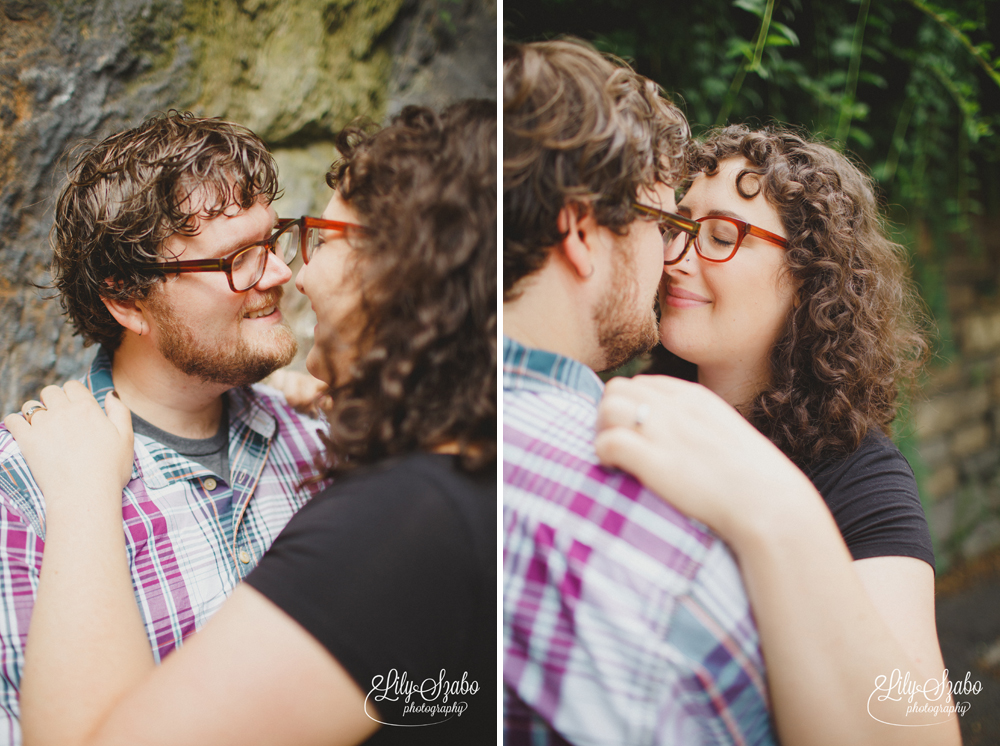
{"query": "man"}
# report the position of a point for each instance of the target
(163, 257)
(624, 622)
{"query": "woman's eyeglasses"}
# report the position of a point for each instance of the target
(719, 239)
(245, 266)
(306, 233)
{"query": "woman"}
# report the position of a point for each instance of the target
(792, 306)
(376, 606)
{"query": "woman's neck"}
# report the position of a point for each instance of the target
(734, 383)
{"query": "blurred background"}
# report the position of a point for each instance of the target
(912, 90)
(294, 71)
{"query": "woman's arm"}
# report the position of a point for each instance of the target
(303, 393)
(86, 643)
(252, 675)
(825, 641)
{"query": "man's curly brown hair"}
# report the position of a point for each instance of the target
(579, 128)
(425, 375)
(129, 193)
(855, 337)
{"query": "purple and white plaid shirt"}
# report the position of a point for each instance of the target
(183, 567)
(624, 622)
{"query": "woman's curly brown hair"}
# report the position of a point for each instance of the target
(855, 337)
(425, 372)
(129, 193)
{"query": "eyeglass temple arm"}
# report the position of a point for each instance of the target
(753, 230)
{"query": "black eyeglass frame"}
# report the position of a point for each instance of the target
(743, 229)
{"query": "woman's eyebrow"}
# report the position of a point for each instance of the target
(686, 212)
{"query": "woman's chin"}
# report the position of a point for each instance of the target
(685, 351)
(316, 368)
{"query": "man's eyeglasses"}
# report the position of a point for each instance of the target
(718, 240)
(671, 225)
(245, 266)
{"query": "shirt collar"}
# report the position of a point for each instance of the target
(526, 368)
(245, 413)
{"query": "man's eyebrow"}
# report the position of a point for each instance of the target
(229, 247)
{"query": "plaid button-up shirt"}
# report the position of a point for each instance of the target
(182, 565)
(624, 622)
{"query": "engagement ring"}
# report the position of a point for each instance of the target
(31, 411)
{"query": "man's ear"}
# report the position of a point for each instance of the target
(578, 225)
(128, 313)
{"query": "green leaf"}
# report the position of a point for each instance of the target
(751, 6)
(786, 32)
(740, 47)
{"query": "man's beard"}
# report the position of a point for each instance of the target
(233, 364)
(624, 329)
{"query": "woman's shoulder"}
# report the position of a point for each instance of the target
(873, 496)
(420, 492)
(876, 456)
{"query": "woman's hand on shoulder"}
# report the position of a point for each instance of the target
(695, 450)
(304, 393)
(69, 441)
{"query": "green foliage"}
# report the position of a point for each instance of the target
(910, 88)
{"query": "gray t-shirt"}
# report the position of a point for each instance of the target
(212, 453)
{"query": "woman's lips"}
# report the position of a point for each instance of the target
(681, 298)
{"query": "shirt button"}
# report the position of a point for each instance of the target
(210, 484)
(244, 556)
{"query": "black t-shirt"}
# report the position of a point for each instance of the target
(874, 500)
(393, 569)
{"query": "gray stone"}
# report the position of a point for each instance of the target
(941, 518)
(984, 536)
(934, 451)
(945, 412)
(981, 333)
(982, 465)
(970, 440)
(941, 482)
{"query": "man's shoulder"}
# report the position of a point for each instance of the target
(291, 424)
(20, 495)
(554, 480)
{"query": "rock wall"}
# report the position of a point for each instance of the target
(294, 71)
(957, 424)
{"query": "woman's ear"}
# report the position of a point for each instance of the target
(578, 224)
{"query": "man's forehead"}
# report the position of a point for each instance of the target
(661, 196)
(206, 199)
(214, 217)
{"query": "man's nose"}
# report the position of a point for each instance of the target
(276, 272)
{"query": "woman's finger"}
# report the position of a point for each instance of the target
(76, 391)
(16, 425)
(31, 408)
(617, 409)
(118, 413)
(53, 397)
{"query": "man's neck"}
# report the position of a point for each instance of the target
(546, 317)
(165, 397)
